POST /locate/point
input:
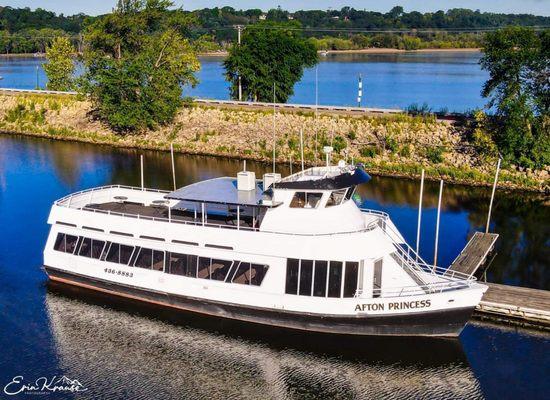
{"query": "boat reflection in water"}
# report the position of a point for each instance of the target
(118, 350)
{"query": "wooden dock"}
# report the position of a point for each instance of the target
(502, 302)
(474, 254)
(516, 304)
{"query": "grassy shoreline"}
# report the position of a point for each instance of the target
(245, 134)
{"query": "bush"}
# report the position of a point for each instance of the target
(368, 151)
(391, 144)
(405, 151)
(339, 143)
(435, 154)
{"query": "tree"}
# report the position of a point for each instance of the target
(60, 66)
(517, 87)
(137, 61)
(269, 55)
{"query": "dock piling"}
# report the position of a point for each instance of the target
(419, 214)
(141, 164)
(492, 197)
(173, 164)
(437, 222)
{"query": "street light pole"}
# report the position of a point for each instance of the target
(239, 30)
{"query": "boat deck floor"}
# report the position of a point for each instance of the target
(154, 211)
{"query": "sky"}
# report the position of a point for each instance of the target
(69, 7)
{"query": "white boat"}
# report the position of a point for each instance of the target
(298, 255)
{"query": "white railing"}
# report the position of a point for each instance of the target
(69, 201)
(415, 265)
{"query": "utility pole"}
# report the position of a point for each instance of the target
(239, 30)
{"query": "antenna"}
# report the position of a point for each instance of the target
(273, 127)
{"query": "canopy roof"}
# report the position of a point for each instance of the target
(218, 191)
(340, 180)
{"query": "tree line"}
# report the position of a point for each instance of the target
(137, 59)
(23, 30)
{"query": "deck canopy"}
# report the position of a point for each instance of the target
(310, 179)
(219, 191)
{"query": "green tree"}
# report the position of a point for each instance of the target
(60, 66)
(269, 55)
(137, 60)
(518, 90)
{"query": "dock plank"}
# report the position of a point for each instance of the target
(529, 305)
(474, 254)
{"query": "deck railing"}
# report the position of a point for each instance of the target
(411, 260)
(68, 201)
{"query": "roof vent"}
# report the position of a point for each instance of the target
(246, 180)
(270, 179)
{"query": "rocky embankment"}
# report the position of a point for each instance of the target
(398, 145)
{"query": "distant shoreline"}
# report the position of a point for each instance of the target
(360, 51)
(390, 50)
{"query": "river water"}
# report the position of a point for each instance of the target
(118, 351)
(443, 80)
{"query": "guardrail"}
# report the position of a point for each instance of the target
(413, 261)
(309, 107)
(251, 104)
(34, 91)
(67, 202)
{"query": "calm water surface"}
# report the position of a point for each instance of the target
(450, 80)
(119, 351)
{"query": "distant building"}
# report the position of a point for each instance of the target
(263, 17)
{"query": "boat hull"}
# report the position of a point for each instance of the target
(430, 323)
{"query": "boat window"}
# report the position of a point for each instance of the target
(182, 264)
(320, 280)
(65, 243)
(292, 266)
(258, 274)
(336, 197)
(306, 276)
(91, 248)
(144, 258)
(219, 269)
(377, 278)
(85, 248)
(120, 253)
(350, 279)
(243, 273)
(134, 255)
(97, 248)
(334, 279)
(158, 260)
(305, 200)
(350, 192)
(204, 268)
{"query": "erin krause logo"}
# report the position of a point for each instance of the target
(43, 385)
